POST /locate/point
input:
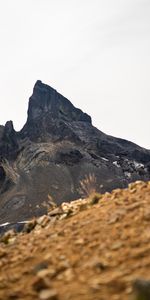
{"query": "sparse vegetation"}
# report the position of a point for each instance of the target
(88, 185)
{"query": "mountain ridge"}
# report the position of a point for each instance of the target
(57, 148)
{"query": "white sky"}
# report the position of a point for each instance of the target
(95, 52)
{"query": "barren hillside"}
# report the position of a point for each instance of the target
(97, 248)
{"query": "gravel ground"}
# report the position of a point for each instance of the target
(91, 249)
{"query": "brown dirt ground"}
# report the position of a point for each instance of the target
(93, 252)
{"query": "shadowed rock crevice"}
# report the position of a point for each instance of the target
(2, 176)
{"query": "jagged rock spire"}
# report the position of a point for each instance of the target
(46, 100)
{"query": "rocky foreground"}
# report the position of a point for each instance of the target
(97, 248)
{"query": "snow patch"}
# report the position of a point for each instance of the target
(4, 224)
(105, 159)
(115, 163)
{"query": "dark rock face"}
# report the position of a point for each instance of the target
(48, 113)
(47, 100)
(56, 150)
(8, 142)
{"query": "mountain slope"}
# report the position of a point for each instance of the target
(57, 150)
(82, 251)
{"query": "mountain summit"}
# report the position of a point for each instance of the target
(60, 155)
(46, 100)
(49, 114)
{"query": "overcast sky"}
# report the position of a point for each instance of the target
(94, 52)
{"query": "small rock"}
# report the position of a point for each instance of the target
(94, 199)
(133, 190)
(41, 266)
(128, 290)
(79, 242)
(63, 216)
(65, 207)
(62, 257)
(55, 212)
(116, 245)
(97, 263)
(51, 272)
(48, 256)
(69, 275)
(48, 294)
(29, 226)
(94, 287)
(40, 283)
(63, 265)
(113, 219)
(133, 206)
(94, 284)
(116, 297)
(43, 273)
(43, 220)
(7, 236)
(12, 240)
(83, 206)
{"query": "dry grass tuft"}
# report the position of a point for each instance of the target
(88, 186)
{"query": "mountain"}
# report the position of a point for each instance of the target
(60, 156)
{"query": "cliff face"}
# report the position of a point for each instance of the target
(49, 114)
(53, 154)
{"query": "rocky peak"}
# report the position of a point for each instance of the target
(9, 128)
(58, 153)
(8, 142)
(47, 101)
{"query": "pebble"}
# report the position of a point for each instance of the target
(79, 242)
(55, 212)
(68, 274)
(133, 206)
(47, 294)
(113, 219)
(28, 227)
(43, 220)
(117, 245)
(7, 236)
(47, 272)
(40, 283)
(40, 266)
